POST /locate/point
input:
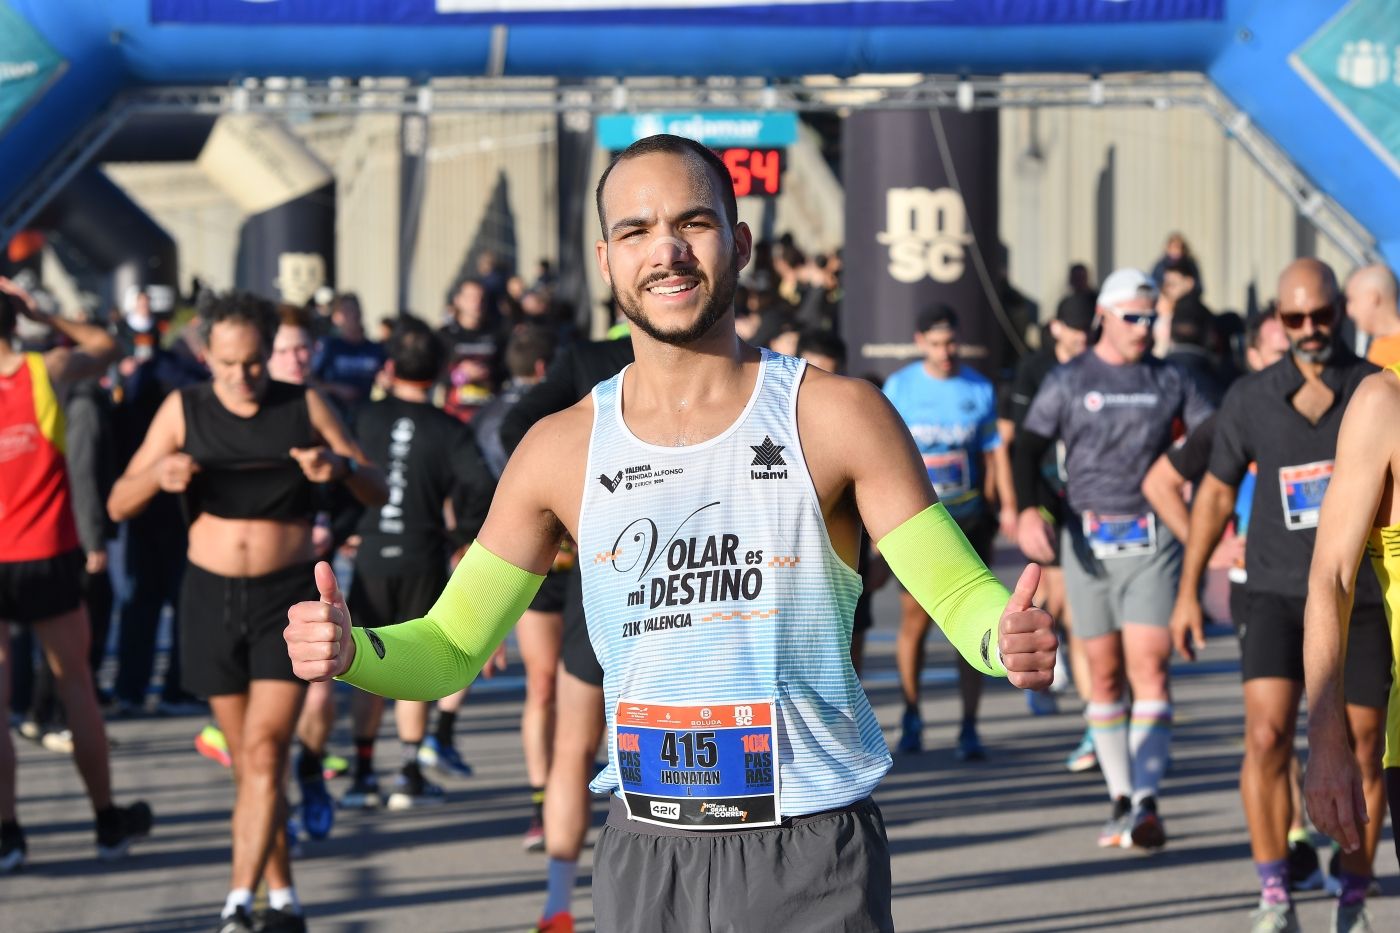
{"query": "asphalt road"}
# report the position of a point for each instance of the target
(1005, 845)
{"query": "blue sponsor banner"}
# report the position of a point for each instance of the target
(28, 65)
(725, 128)
(844, 13)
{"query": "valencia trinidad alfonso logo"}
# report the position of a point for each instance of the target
(610, 482)
(767, 455)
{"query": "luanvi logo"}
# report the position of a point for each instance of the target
(376, 644)
(767, 455)
(610, 482)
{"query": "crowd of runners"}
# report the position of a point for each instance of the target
(682, 525)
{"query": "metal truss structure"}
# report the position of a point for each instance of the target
(299, 97)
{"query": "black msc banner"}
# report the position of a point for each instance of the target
(913, 229)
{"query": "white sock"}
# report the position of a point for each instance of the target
(562, 873)
(283, 899)
(1150, 739)
(1108, 724)
(238, 897)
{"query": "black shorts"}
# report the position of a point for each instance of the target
(231, 627)
(551, 597)
(1271, 645)
(576, 652)
(377, 600)
(35, 590)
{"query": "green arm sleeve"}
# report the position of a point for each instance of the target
(439, 654)
(932, 558)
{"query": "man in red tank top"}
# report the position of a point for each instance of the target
(41, 562)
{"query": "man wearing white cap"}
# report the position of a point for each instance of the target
(1116, 408)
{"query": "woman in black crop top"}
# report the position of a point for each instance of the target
(245, 451)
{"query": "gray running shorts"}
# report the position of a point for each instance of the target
(1105, 593)
(829, 871)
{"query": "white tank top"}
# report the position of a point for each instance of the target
(708, 576)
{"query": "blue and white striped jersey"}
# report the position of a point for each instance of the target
(708, 576)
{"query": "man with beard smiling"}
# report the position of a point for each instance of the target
(1286, 418)
(739, 710)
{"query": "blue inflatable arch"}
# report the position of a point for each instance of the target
(1318, 77)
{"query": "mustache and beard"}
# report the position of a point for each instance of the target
(1315, 348)
(720, 299)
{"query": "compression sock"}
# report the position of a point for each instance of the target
(409, 755)
(561, 886)
(238, 897)
(308, 763)
(1353, 888)
(1273, 881)
(446, 723)
(1149, 739)
(1108, 724)
(283, 899)
(537, 804)
(364, 757)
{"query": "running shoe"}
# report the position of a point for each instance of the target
(212, 745)
(1274, 918)
(414, 790)
(280, 921)
(1119, 826)
(1042, 703)
(31, 730)
(1083, 758)
(58, 740)
(911, 737)
(13, 850)
(119, 827)
(1147, 831)
(969, 747)
(317, 807)
(1304, 867)
(363, 794)
(238, 922)
(333, 766)
(433, 754)
(533, 840)
(562, 922)
(1353, 918)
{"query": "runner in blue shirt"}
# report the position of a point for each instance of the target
(951, 412)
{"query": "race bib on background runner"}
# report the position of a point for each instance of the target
(949, 474)
(1302, 488)
(1121, 535)
(703, 766)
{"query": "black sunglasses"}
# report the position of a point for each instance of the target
(1321, 317)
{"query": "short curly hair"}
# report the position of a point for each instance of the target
(239, 307)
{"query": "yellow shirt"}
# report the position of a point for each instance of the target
(1383, 547)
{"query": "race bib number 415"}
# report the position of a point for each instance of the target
(710, 766)
(1302, 488)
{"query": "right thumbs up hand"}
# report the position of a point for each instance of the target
(318, 633)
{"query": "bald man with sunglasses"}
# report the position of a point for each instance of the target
(1286, 419)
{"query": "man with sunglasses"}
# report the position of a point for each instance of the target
(1286, 419)
(1116, 407)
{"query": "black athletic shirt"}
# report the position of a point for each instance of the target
(427, 457)
(1258, 424)
(246, 468)
(1191, 455)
